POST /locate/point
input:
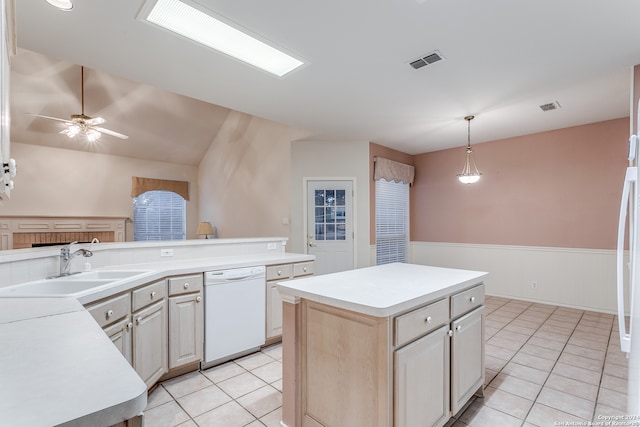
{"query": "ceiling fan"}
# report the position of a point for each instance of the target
(83, 124)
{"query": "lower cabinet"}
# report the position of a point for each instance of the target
(150, 342)
(120, 335)
(421, 376)
(275, 274)
(186, 320)
(467, 358)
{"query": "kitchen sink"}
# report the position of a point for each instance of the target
(68, 285)
(105, 275)
(52, 287)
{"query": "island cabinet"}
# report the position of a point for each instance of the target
(186, 320)
(363, 349)
(278, 273)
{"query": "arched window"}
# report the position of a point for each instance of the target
(159, 215)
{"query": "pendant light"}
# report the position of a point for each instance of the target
(470, 172)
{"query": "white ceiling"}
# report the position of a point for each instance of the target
(504, 59)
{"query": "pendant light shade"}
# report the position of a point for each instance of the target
(470, 172)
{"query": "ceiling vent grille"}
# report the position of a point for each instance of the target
(428, 59)
(550, 106)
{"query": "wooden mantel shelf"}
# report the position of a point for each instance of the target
(18, 232)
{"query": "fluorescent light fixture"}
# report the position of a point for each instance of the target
(198, 26)
(61, 4)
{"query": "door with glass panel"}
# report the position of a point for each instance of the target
(330, 225)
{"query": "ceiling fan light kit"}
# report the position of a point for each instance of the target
(469, 174)
(81, 124)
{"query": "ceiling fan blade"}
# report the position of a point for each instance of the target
(96, 121)
(110, 132)
(50, 118)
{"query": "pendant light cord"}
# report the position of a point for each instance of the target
(82, 86)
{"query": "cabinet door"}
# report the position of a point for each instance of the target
(186, 326)
(274, 311)
(467, 357)
(120, 335)
(421, 381)
(150, 342)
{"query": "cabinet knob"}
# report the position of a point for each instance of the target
(304, 269)
(450, 333)
(458, 328)
(139, 320)
(279, 272)
(186, 285)
(129, 325)
(472, 299)
(198, 299)
(428, 319)
(153, 294)
(109, 313)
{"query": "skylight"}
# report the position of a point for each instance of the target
(200, 27)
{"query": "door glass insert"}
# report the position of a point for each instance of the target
(330, 215)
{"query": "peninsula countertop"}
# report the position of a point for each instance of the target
(383, 290)
(58, 367)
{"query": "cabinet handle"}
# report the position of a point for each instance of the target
(139, 320)
(458, 328)
(198, 299)
(129, 325)
(472, 300)
(450, 333)
(109, 313)
(186, 285)
(153, 294)
(428, 319)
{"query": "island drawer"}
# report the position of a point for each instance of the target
(467, 300)
(275, 272)
(302, 269)
(111, 310)
(185, 284)
(149, 294)
(420, 321)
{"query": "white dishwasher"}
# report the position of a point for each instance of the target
(234, 313)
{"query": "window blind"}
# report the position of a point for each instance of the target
(392, 222)
(159, 215)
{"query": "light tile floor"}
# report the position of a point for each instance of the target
(545, 366)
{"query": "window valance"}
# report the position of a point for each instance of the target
(393, 171)
(142, 185)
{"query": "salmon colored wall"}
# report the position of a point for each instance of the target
(376, 150)
(559, 188)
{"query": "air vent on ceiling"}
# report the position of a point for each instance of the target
(428, 59)
(550, 106)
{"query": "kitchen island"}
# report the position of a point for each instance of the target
(391, 345)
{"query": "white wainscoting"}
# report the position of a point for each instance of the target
(579, 278)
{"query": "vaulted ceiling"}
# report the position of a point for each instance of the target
(503, 59)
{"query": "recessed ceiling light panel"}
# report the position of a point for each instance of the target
(201, 27)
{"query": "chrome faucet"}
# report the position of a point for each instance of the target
(66, 256)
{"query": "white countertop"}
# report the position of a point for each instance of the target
(159, 270)
(58, 366)
(384, 290)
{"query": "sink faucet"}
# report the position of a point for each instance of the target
(66, 256)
